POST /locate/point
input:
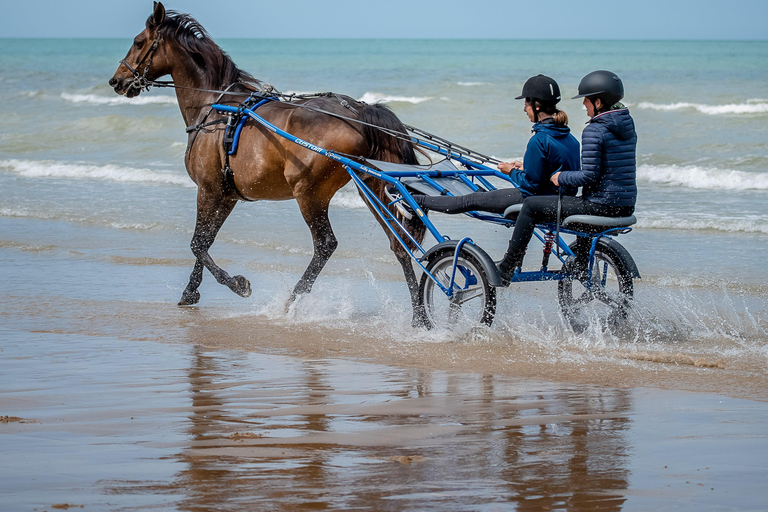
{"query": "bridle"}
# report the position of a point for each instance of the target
(140, 81)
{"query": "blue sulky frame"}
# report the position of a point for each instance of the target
(473, 174)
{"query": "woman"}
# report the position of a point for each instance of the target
(607, 175)
(552, 149)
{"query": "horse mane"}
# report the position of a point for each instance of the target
(216, 66)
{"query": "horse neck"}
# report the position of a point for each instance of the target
(193, 102)
(191, 92)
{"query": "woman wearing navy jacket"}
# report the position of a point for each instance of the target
(552, 149)
(607, 174)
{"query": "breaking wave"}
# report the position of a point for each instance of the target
(692, 221)
(754, 106)
(95, 99)
(702, 177)
(375, 97)
(52, 169)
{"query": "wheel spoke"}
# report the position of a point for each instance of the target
(610, 299)
(607, 295)
(462, 296)
(471, 300)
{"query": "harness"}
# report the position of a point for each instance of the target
(235, 122)
(140, 81)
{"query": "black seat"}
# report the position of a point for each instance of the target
(596, 224)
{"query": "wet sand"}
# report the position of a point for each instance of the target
(153, 407)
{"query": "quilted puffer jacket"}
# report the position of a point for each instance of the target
(608, 160)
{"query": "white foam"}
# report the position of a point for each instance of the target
(702, 177)
(348, 198)
(375, 97)
(729, 224)
(52, 169)
(95, 99)
(755, 106)
(471, 84)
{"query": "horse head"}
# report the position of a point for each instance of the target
(145, 61)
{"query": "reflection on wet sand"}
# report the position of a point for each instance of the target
(320, 434)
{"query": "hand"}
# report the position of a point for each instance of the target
(555, 179)
(507, 167)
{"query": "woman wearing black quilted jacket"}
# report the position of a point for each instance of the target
(607, 174)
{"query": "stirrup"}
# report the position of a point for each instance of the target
(399, 202)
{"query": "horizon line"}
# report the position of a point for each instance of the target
(415, 38)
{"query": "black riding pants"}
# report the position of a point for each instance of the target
(538, 209)
(494, 201)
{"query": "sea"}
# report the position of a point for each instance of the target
(112, 397)
(96, 205)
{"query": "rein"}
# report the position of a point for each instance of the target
(266, 91)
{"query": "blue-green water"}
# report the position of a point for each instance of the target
(87, 174)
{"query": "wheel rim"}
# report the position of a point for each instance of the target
(471, 295)
(607, 296)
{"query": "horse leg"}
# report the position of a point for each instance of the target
(419, 318)
(323, 240)
(211, 214)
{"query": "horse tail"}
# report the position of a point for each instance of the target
(382, 145)
(388, 148)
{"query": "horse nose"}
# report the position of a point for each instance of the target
(113, 81)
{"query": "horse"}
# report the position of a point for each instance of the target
(265, 166)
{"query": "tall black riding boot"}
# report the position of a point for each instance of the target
(507, 266)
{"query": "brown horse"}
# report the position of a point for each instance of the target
(265, 165)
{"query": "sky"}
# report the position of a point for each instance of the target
(492, 19)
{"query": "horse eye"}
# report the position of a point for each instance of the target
(137, 44)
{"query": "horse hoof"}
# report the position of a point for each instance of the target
(189, 298)
(241, 286)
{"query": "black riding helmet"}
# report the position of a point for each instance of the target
(601, 84)
(541, 88)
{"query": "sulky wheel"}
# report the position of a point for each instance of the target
(473, 299)
(607, 300)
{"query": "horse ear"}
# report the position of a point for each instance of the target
(159, 14)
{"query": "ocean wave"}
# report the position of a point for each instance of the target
(754, 106)
(95, 99)
(471, 84)
(52, 169)
(729, 224)
(348, 198)
(702, 177)
(375, 97)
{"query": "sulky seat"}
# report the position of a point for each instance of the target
(592, 224)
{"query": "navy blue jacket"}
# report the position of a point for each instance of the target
(608, 160)
(551, 149)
